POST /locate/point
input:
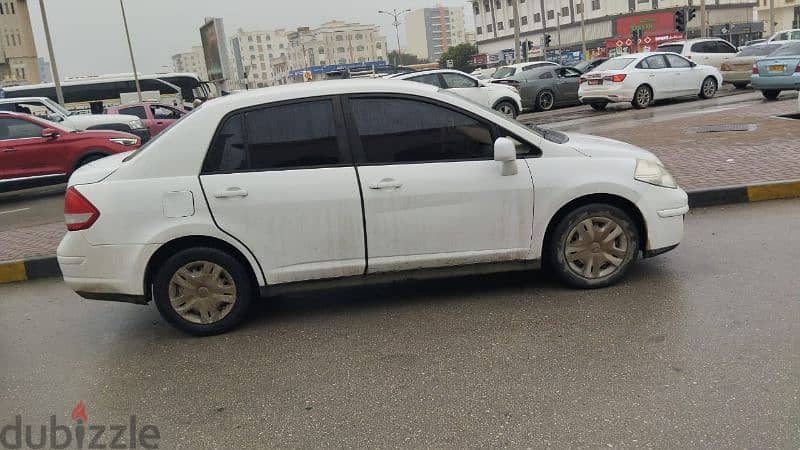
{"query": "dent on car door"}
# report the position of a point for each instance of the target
(433, 195)
(280, 180)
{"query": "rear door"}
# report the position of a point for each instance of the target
(704, 52)
(25, 153)
(723, 51)
(659, 76)
(433, 194)
(280, 179)
(466, 87)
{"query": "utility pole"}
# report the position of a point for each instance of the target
(130, 49)
(396, 16)
(583, 28)
(517, 49)
(703, 19)
(771, 17)
(53, 65)
(558, 34)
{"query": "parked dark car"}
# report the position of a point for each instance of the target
(544, 88)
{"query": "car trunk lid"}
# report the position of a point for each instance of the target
(98, 170)
(773, 67)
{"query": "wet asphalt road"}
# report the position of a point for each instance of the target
(698, 348)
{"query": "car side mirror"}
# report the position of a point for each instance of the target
(506, 153)
(49, 133)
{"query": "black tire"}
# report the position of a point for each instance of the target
(506, 105)
(642, 97)
(89, 158)
(242, 282)
(564, 233)
(708, 88)
(545, 100)
(771, 94)
(598, 106)
(741, 84)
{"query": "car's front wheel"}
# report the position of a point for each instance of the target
(771, 94)
(709, 88)
(593, 246)
(203, 291)
(642, 97)
(507, 109)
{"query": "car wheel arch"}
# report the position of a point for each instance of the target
(185, 242)
(90, 154)
(618, 201)
(506, 99)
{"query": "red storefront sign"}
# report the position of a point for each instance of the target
(650, 24)
(479, 59)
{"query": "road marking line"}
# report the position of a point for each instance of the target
(13, 211)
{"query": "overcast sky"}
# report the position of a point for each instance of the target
(88, 36)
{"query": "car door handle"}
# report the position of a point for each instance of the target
(386, 183)
(231, 192)
(9, 150)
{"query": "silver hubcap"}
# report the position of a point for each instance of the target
(596, 247)
(506, 110)
(202, 292)
(643, 96)
(708, 88)
(546, 100)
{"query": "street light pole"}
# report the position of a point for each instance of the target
(130, 49)
(53, 66)
(703, 19)
(583, 27)
(396, 16)
(517, 50)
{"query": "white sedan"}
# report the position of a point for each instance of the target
(502, 98)
(349, 182)
(643, 78)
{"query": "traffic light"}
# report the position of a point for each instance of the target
(680, 20)
(547, 40)
(691, 15)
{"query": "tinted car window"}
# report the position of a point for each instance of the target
(454, 80)
(677, 62)
(724, 47)
(401, 131)
(296, 135)
(546, 75)
(704, 47)
(137, 111)
(227, 152)
(431, 78)
(11, 128)
(674, 48)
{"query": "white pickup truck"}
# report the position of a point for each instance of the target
(47, 109)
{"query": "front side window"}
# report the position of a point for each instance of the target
(678, 62)
(454, 80)
(162, 112)
(431, 78)
(11, 128)
(724, 47)
(704, 47)
(137, 111)
(405, 131)
(568, 72)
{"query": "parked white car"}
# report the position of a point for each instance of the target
(513, 69)
(502, 98)
(354, 181)
(643, 78)
(707, 51)
(47, 109)
(785, 35)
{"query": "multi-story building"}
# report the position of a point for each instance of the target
(191, 61)
(608, 24)
(431, 31)
(45, 72)
(786, 13)
(18, 60)
(259, 58)
(334, 43)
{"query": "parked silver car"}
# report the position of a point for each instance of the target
(544, 88)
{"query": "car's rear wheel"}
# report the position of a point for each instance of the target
(709, 88)
(203, 291)
(593, 246)
(740, 84)
(771, 94)
(545, 101)
(507, 109)
(598, 106)
(642, 97)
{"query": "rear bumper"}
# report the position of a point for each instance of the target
(612, 95)
(736, 77)
(789, 82)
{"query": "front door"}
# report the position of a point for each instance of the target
(433, 194)
(162, 117)
(25, 153)
(280, 180)
(658, 76)
(567, 85)
(686, 78)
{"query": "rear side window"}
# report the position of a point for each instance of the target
(137, 111)
(724, 47)
(653, 62)
(405, 131)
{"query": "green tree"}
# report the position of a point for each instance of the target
(405, 59)
(461, 55)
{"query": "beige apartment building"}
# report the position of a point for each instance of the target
(432, 31)
(192, 61)
(786, 12)
(335, 43)
(18, 59)
(261, 55)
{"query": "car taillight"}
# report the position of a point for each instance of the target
(79, 213)
(618, 78)
(755, 69)
(797, 69)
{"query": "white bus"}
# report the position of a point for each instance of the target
(93, 93)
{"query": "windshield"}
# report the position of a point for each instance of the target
(759, 50)
(674, 48)
(504, 72)
(615, 64)
(792, 49)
